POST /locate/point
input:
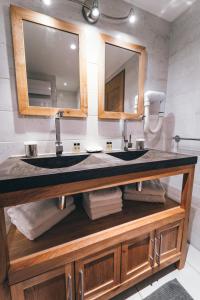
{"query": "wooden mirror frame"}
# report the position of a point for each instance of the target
(106, 39)
(18, 15)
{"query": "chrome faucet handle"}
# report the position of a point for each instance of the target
(59, 148)
(59, 114)
(125, 144)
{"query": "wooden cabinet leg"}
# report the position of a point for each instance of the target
(4, 260)
(5, 292)
(186, 198)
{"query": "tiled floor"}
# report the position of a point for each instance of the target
(189, 277)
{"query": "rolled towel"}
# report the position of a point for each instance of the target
(35, 218)
(150, 187)
(102, 203)
(103, 195)
(144, 198)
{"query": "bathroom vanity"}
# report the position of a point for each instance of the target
(79, 258)
(84, 259)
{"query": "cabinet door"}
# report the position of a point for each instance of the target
(98, 274)
(54, 285)
(137, 256)
(168, 242)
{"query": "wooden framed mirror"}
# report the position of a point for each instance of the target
(50, 65)
(121, 82)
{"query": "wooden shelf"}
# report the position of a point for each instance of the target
(78, 225)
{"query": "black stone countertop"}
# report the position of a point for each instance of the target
(16, 174)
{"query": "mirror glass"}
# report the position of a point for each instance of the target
(121, 79)
(52, 65)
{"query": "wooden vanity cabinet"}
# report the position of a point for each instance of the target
(168, 242)
(98, 274)
(148, 253)
(137, 256)
(54, 285)
(94, 276)
(106, 257)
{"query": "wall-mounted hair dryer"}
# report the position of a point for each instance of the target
(149, 98)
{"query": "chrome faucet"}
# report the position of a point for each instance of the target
(127, 142)
(58, 143)
(125, 138)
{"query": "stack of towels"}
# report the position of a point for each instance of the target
(152, 191)
(35, 218)
(101, 203)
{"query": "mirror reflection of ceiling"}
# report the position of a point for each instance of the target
(121, 79)
(115, 58)
(48, 51)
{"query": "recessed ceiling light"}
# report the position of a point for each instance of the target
(73, 46)
(47, 2)
(189, 2)
(65, 83)
(118, 36)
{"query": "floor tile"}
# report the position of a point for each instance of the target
(193, 258)
(190, 280)
(150, 285)
(130, 294)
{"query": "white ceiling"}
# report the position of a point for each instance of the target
(166, 9)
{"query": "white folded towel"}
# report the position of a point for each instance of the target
(103, 195)
(35, 218)
(102, 203)
(150, 187)
(103, 213)
(144, 198)
(101, 209)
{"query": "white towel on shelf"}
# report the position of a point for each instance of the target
(150, 187)
(103, 195)
(102, 203)
(94, 216)
(33, 219)
(101, 209)
(144, 198)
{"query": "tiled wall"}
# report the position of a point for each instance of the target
(149, 31)
(183, 101)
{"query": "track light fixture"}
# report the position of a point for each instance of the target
(91, 12)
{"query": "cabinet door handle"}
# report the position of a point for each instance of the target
(151, 261)
(158, 251)
(81, 291)
(69, 287)
(160, 246)
(151, 257)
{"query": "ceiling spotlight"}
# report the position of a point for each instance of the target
(131, 16)
(73, 46)
(95, 9)
(92, 13)
(90, 10)
(95, 12)
(65, 83)
(47, 2)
